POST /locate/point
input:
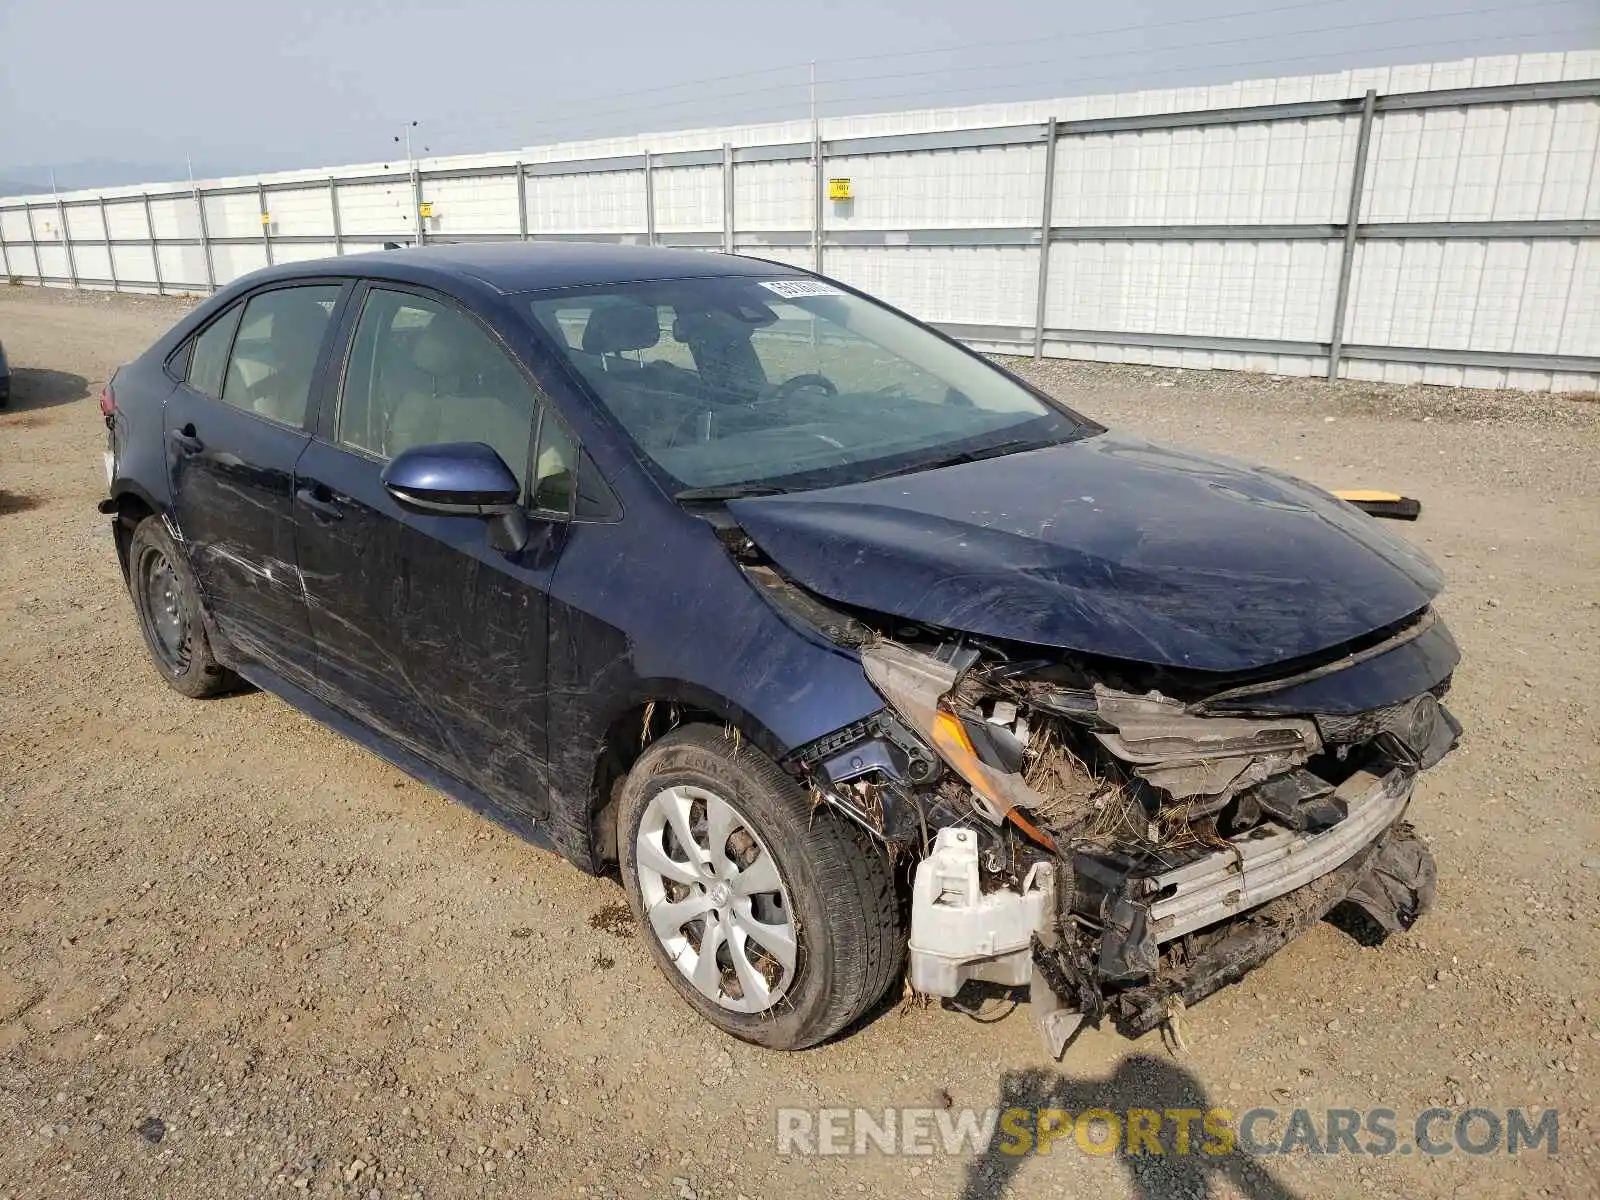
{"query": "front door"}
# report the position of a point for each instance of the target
(235, 426)
(423, 629)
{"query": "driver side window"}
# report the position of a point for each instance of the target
(422, 372)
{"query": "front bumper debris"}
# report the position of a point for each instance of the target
(1397, 856)
(1123, 851)
(958, 933)
(1260, 868)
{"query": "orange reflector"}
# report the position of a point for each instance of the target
(950, 734)
(955, 747)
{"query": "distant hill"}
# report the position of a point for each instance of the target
(17, 187)
(32, 179)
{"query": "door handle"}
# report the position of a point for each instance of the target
(326, 509)
(184, 439)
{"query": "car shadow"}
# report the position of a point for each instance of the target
(1141, 1081)
(39, 387)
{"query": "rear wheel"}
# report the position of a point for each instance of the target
(168, 604)
(776, 922)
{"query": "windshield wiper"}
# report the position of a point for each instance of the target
(967, 456)
(730, 491)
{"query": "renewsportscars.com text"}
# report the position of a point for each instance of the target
(1171, 1131)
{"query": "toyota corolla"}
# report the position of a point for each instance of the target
(857, 658)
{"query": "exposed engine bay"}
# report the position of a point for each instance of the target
(1122, 851)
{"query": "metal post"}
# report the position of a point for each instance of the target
(522, 202)
(818, 187)
(416, 187)
(155, 247)
(727, 198)
(205, 241)
(649, 201)
(5, 259)
(66, 241)
(816, 180)
(111, 251)
(1351, 226)
(266, 225)
(333, 209)
(1044, 236)
(33, 240)
(416, 203)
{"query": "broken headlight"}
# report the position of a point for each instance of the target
(916, 686)
(1030, 752)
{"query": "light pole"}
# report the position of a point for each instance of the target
(416, 184)
(816, 183)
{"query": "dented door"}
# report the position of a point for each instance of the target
(425, 632)
(232, 487)
(234, 430)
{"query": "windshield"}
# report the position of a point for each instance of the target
(741, 383)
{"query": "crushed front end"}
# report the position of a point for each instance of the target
(1126, 841)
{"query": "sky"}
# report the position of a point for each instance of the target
(138, 90)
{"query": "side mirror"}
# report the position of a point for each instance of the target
(461, 479)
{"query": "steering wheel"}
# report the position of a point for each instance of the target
(810, 379)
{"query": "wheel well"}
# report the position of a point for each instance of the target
(627, 738)
(130, 510)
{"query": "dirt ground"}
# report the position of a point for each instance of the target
(325, 978)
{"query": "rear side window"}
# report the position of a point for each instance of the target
(275, 353)
(210, 356)
(421, 372)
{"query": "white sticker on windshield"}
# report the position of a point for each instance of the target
(794, 289)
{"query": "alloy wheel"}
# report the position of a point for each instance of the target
(715, 900)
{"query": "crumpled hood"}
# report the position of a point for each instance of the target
(1109, 545)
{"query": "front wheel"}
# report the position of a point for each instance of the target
(776, 922)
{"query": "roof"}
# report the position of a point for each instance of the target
(529, 266)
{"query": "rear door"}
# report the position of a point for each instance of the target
(235, 426)
(423, 629)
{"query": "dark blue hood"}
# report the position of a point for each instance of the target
(1110, 546)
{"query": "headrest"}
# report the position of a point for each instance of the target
(615, 327)
(298, 324)
(435, 350)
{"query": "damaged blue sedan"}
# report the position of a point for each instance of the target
(856, 657)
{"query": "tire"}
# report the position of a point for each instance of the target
(168, 605)
(833, 891)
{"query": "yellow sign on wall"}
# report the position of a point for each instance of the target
(266, 218)
(426, 208)
(838, 189)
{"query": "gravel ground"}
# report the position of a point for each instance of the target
(241, 957)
